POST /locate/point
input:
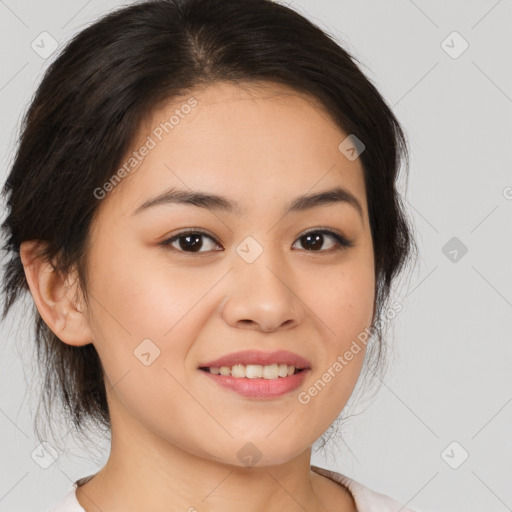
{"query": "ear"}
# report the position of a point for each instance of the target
(55, 297)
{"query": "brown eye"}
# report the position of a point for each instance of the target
(314, 240)
(189, 241)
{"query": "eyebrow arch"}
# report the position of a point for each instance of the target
(215, 202)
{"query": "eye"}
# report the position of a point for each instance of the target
(192, 241)
(188, 241)
(315, 239)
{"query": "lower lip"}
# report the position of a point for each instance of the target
(260, 388)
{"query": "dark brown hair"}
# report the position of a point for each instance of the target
(104, 84)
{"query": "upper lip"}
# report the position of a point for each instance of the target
(246, 357)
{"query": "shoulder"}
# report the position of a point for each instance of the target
(68, 503)
(366, 499)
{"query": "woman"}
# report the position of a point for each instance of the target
(203, 207)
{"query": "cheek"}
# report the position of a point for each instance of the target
(143, 295)
(343, 301)
(143, 331)
(142, 306)
(343, 306)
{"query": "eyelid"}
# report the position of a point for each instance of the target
(166, 243)
(341, 239)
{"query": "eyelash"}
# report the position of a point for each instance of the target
(343, 243)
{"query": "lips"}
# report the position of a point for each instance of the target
(246, 357)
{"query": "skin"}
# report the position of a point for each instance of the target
(175, 433)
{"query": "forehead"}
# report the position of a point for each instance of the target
(240, 140)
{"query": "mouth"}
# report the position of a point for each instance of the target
(254, 371)
(258, 375)
(259, 383)
(257, 364)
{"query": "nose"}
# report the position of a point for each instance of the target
(261, 295)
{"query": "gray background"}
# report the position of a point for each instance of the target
(450, 376)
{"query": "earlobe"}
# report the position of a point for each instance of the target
(54, 297)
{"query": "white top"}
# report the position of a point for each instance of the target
(366, 500)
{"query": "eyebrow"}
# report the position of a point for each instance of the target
(214, 202)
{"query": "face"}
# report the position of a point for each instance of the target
(257, 276)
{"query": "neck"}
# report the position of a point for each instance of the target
(144, 471)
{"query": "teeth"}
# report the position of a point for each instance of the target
(255, 371)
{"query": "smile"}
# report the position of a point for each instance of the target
(255, 371)
(256, 381)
